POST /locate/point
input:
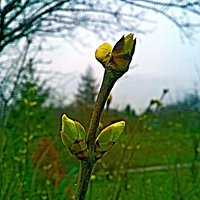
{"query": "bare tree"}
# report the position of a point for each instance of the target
(10, 77)
(28, 18)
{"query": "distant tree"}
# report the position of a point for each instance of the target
(129, 111)
(190, 102)
(87, 90)
(31, 88)
(26, 109)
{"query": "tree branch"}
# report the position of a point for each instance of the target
(58, 18)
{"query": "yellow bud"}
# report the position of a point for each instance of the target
(93, 177)
(103, 52)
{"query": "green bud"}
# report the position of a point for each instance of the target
(73, 136)
(108, 137)
(122, 53)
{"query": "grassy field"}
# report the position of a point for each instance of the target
(156, 157)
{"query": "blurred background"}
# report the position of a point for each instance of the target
(48, 67)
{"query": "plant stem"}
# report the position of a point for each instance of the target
(87, 164)
(86, 168)
(109, 80)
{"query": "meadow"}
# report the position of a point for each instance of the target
(157, 156)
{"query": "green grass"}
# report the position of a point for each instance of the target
(172, 184)
(165, 139)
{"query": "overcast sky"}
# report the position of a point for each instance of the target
(162, 60)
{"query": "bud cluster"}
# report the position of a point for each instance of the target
(73, 136)
(118, 58)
